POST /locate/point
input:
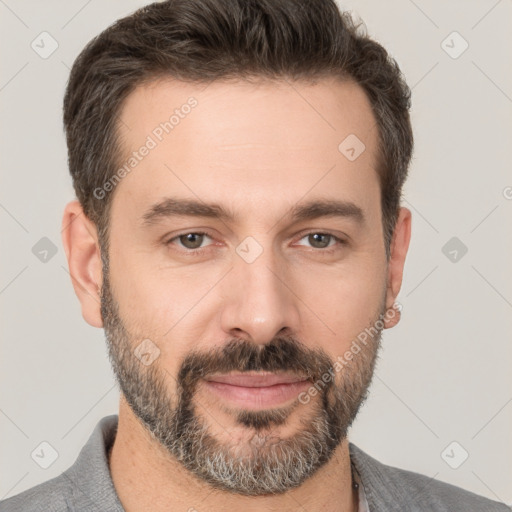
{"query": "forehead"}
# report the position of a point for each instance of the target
(251, 143)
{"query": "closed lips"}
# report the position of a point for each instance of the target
(256, 381)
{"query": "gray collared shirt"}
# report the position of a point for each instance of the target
(87, 486)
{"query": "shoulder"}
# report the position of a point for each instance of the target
(86, 485)
(390, 488)
(50, 496)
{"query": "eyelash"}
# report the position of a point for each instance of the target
(199, 251)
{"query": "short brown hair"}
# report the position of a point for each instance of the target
(204, 40)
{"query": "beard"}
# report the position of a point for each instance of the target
(263, 462)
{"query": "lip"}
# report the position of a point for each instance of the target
(257, 391)
(256, 380)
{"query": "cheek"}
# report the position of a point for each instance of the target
(169, 306)
(347, 300)
(146, 301)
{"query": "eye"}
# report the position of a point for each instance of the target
(320, 240)
(197, 241)
(191, 241)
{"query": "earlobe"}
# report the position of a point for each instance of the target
(80, 240)
(398, 252)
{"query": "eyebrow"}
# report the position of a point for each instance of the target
(176, 207)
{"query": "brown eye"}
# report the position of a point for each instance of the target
(325, 241)
(319, 240)
(192, 241)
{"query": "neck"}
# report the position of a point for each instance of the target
(146, 477)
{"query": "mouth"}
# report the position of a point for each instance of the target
(257, 390)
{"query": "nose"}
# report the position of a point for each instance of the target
(259, 300)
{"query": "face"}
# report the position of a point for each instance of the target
(246, 256)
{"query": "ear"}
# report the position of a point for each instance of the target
(398, 251)
(80, 240)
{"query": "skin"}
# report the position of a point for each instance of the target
(258, 150)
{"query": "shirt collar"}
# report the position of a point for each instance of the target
(92, 486)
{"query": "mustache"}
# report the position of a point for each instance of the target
(282, 354)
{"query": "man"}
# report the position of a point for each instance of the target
(239, 236)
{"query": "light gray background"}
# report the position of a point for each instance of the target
(444, 373)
